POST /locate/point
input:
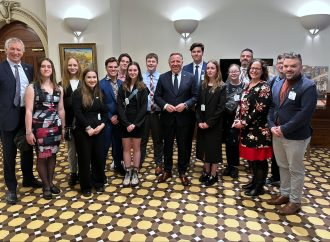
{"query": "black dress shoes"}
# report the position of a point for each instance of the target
(184, 180)
(55, 190)
(33, 183)
(46, 193)
(11, 198)
(166, 175)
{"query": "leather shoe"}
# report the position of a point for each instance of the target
(33, 183)
(159, 170)
(11, 198)
(164, 176)
(55, 190)
(278, 200)
(290, 208)
(184, 180)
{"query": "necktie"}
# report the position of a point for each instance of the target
(243, 74)
(152, 91)
(176, 84)
(196, 76)
(18, 88)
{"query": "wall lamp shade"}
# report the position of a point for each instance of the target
(315, 22)
(77, 25)
(185, 27)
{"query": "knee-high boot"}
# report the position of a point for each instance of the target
(251, 185)
(260, 176)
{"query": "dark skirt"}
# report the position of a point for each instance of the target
(136, 133)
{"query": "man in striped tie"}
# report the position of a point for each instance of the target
(245, 58)
(152, 121)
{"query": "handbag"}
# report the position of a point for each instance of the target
(232, 104)
(20, 140)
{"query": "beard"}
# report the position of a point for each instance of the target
(294, 79)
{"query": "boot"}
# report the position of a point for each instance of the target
(251, 184)
(260, 176)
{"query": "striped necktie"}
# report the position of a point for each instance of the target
(17, 97)
(152, 91)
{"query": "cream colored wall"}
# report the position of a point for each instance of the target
(226, 27)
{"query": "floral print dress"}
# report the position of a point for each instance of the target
(255, 138)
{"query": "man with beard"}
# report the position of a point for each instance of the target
(245, 58)
(294, 102)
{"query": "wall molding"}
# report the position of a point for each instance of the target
(12, 11)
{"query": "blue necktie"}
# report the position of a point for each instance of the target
(17, 97)
(196, 76)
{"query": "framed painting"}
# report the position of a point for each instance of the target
(84, 52)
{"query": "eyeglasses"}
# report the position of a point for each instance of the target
(234, 72)
(255, 69)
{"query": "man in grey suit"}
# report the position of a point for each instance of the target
(176, 95)
(15, 76)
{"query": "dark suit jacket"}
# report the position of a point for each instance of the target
(190, 68)
(295, 113)
(9, 114)
(187, 94)
(109, 96)
(67, 99)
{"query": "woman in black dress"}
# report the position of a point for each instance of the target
(209, 113)
(132, 109)
(91, 114)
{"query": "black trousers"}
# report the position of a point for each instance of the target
(182, 134)
(90, 159)
(9, 152)
(152, 125)
(232, 141)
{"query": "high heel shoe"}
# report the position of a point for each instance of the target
(46, 193)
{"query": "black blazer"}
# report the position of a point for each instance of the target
(91, 116)
(67, 100)
(214, 106)
(9, 113)
(187, 94)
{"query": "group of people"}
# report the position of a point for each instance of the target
(257, 117)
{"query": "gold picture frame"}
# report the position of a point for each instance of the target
(84, 52)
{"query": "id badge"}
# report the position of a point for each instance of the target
(292, 95)
(236, 97)
(202, 77)
(203, 107)
(126, 101)
(99, 116)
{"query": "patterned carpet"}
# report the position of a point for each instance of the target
(167, 212)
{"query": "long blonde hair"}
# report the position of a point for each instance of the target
(218, 78)
(87, 94)
(66, 74)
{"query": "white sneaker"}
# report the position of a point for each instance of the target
(135, 178)
(127, 179)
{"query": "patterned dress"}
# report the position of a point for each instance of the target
(46, 122)
(255, 140)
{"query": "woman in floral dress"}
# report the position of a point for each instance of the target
(251, 119)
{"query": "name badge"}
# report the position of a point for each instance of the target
(202, 77)
(292, 95)
(236, 97)
(99, 116)
(126, 101)
(203, 107)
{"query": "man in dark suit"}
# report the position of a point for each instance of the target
(109, 86)
(14, 78)
(176, 95)
(198, 66)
